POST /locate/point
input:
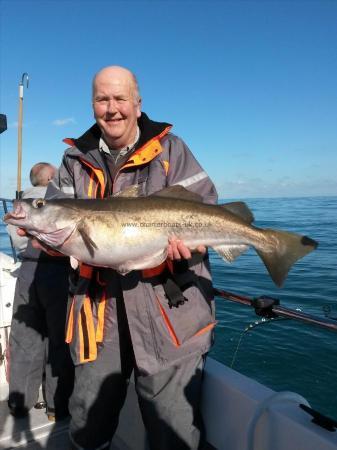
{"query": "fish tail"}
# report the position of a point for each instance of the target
(284, 250)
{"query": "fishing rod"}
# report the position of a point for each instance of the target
(21, 84)
(270, 307)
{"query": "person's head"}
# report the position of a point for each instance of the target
(41, 173)
(117, 105)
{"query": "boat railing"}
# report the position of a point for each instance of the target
(5, 206)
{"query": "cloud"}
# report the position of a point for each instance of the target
(61, 122)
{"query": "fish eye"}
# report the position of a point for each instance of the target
(38, 203)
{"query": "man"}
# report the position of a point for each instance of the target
(40, 175)
(158, 322)
(36, 341)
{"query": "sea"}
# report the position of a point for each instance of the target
(283, 354)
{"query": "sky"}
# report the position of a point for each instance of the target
(249, 85)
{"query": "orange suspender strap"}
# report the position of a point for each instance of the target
(101, 309)
(85, 327)
(87, 335)
(70, 324)
(85, 272)
(100, 319)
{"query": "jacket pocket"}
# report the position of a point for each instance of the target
(188, 320)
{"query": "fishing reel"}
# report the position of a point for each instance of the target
(263, 306)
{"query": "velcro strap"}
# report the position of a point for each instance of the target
(181, 266)
(173, 293)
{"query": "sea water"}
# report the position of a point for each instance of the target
(282, 354)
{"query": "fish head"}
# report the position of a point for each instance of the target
(48, 220)
(32, 215)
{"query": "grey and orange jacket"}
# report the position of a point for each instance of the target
(161, 335)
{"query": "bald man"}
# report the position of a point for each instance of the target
(40, 175)
(156, 323)
(38, 353)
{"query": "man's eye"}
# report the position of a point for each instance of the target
(38, 203)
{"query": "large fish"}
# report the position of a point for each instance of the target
(131, 233)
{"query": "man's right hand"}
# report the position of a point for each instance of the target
(38, 244)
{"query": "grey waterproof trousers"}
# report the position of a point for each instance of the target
(37, 340)
(169, 400)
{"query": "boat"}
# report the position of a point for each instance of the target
(239, 412)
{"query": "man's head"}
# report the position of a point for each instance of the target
(117, 105)
(41, 173)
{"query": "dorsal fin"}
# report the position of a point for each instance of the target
(178, 192)
(240, 209)
(131, 192)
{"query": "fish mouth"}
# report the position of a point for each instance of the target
(18, 213)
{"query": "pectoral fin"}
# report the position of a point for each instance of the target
(230, 252)
(56, 238)
(88, 242)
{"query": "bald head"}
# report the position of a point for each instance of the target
(41, 173)
(117, 106)
(110, 73)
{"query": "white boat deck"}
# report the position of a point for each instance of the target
(32, 432)
(239, 414)
(35, 432)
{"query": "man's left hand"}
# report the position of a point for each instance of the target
(177, 250)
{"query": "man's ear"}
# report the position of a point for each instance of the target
(139, 107)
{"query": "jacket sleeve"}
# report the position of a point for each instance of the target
(185, 170)
(19, 242)
(62, 185)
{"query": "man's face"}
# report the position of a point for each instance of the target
(115, 108)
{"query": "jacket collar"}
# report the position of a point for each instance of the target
(149, 130)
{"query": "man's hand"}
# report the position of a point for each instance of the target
(178, 250)
(38, 244)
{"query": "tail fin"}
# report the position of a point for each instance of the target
(287, 248)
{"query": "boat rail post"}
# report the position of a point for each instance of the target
(24, 75)
(4, 205)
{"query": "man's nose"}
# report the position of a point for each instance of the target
(111, 106)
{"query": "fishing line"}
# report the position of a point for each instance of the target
(251, 327)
